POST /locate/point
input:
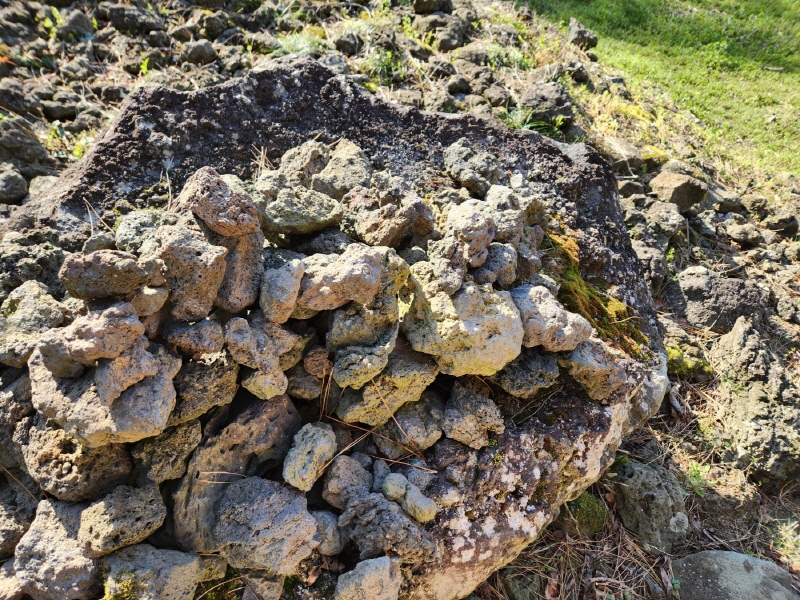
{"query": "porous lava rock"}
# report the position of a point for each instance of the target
(388, 271)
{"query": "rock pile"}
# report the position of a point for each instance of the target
(323, 359)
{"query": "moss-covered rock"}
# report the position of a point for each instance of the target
(685, 358)
(584, 516)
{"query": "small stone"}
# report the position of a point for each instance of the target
(26, 313)
(195, 339)
(125, 517)
(50, 562)
(376, 579)
(546, 322)
(13, 186)
(17, 509)
(417, 426)
(139, 225)
(113, 376)
(99, 241)
(469, 417)
(263, 525)
(244, 268)
(279, 290)
(10, 587)
(418, 506)
(394, 486)
(226, 210)
(299, 210)
(579, 35)
(202, 384)
(530, 372)
(146, 573)
(194, 269)
(599, 368)
(476, 171)
(683, 190)
(164, 456)
(317, 363)
(548, 102)
(332, 537)
(149, 300)
(344, 480)
(332, 281)
(347, 168)
(108, 273)
(466, 223)
(313, 448)
(199, 52)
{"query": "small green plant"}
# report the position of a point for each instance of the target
(382, 66)
(696, 478)
(50, 25)
(297, 43)
(94, 24)
(497, 459)
(507, 56)
(144, 68)
(164, 11)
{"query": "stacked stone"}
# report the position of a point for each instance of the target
(246, 328)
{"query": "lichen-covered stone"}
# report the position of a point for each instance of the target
(50, 562)
(125, 517)
(164, 456)
(530, 372)
(262, 525)
(139, 225)
(226, 210)
(416, 426)
(147, 573)
(26, 313)
(313, 448)
(405, 377)
(685, 358)
(332, 537)
(299, 210)
(194, 269)
(469, 417)
(476, 171)
(149, 300)
(377, 579)
(469, 225)
(347, 168)
(605, 373)
(477, 331)
(108, 273)
(546, 322)
(345, 479)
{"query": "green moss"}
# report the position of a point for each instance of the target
(587, 514)
(686, 366)
(126, 588)
(610, 317)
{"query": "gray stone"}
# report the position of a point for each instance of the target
(418, 506)
(203, 384)
(345, 479)
(279, 290)
(225, 209)
(68, 470)
(50, 562)
(377, 579)
(731, 576)
(125, 517)
(13, 187)
(17, 509)
(500, 267)
(26, 313)
(601, 370)
(263, 525)
(195, 339)
(347, 168)
(710, 301)
(194, 269)
(469, 417)
(131, 18)
(416, 426)
(760, 410)
(244, 268)
(422, 7)
(547, 102)
(146, 573)
(299, 210)
(476, 171)
(546, 323)
(139, 225)
(20, 147)
(303, 384)
(259, 436)
(15, 406)
(530, 372)
(313, 448)
(469, 225)
(164, 456)
(650, 504)
(10, 587)
(108, 273)
(332, 537)
(149, 300)
(579, 35)
(200, 52)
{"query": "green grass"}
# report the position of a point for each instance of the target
(710, 56)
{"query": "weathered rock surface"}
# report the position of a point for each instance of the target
(164, 456)
(378, 578)
(148, 573)
(107, 273)
(651, 505)
(50, 562)
(469, 417)
(313, 448)
(730, 576)
(17, 509)
(546, 323)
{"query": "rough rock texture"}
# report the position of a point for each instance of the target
(164, 457)
(50, 562)
(760, 404)
(546, 323)
(147, 573)
(710, 301)
(651, 505)
(313, 448)
(469, 417)
(378, 579)
(455, 305)
(17, 509)
(124, 517)
(107, 273)
(262, 525)
(731, 576)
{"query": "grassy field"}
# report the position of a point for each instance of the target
(735, 64)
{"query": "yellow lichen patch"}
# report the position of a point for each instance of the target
(612, 319)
